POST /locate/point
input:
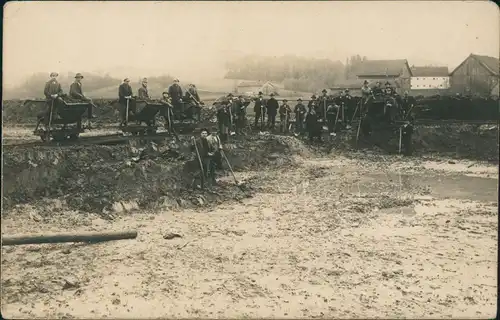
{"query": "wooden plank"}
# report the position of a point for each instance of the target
(68, 237)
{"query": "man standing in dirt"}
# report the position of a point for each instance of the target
(312, 103)
(53, 92)
(224, 117)
(285, 112)
(239, 110)
(143, 93)
(331, 117)
(272, 110)
(166, 113)
(259, 109)
(209, 150)
(125, 95)
(322, 104)
(300, 113)
(76, 92)
(175, 92)
(312, 125)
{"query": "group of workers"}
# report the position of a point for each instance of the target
(172, 97)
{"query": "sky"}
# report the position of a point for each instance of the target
(194, 39)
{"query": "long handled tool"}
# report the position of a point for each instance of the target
(400, 137)
(126, 115)
(359, 129)
(200, 163)
(229, 165)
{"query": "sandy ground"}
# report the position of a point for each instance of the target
(336, 238)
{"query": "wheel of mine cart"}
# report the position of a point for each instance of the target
(134, 133)
(151, 131)
(58, 137)
(74, 136)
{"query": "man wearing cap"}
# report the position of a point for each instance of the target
(53, 92)
(259, 109)
(175, 92)
(285, 112)
(142, 92)
(272, 109)
(125, 95)
(76, 92)
(300, 114)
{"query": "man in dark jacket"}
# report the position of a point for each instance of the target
(209, 149)
(312, 102)
(300, 113)
(175, 92)
(76, 92)
(313, 127)
(224, 117)
(272, 110)
(143, 93)
(284, 112)
(239, 112)
(331, 117)
(259, 109)
(125, 97)
(53, 93)
(194, 103)
(322, 104)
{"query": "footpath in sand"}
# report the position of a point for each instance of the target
(342, 236)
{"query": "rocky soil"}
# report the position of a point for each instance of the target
(310, 232)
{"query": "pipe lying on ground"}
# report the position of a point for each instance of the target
(68, 237)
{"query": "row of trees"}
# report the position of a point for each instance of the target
(296, 73)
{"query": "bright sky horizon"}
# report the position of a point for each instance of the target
(194, 39)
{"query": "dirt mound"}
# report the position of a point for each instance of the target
(136, 175)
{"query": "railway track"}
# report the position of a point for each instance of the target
(115, 139)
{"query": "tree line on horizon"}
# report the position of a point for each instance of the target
(295, 73)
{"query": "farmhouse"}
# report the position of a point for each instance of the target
(428, 78)
(397, 72)
(253, 87)
(476, 75)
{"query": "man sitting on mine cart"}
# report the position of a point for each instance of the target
(193, 99)
(125, 96)
(142, 92)
(76, 92)
(53, 93)
(175, 93)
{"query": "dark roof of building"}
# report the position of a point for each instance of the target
(489, 63)
(429, 71)
(381, 67)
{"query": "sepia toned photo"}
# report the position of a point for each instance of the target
(250, 159)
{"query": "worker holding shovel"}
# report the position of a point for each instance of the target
(208, 152)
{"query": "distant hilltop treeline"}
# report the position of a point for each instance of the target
(94, 85)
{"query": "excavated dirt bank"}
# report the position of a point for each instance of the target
(367, 235)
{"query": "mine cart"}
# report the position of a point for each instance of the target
(143, 121)
(64, 119)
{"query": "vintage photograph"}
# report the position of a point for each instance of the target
(262, 159)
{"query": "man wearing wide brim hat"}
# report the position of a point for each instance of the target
(143, 92)
(285, 112)
(260, 111)
(76, 92)
(272, 106)
(53, 92)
